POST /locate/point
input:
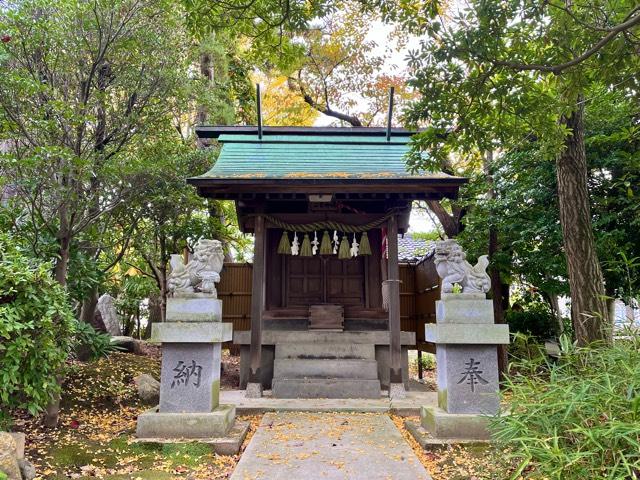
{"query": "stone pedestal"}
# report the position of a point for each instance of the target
(190, 377)
(467, 366)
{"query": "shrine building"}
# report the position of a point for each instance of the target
(325, 206)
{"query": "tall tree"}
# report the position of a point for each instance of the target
(495, 74)
(82, 84)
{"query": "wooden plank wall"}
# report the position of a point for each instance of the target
(407, 298)
(234, 290)
(427, 291)
(419, 289)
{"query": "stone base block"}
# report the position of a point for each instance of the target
(325, 388)
(190, 377)
(397, 390)
(429, 442)
(465, 310)
(155, 424)
(467, 334)
(191, 332)
(198, 308)
(254, 390)
(443, 425)
(467, 378)
(227, 445)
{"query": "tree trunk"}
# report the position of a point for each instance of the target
(451, 223)
(52, 412)
(497, 287)
(206, 70)
(60, 271)
(497, 296)
(62, 262)
(555, 309)
(89, 304)
(155, 313)
(589, 313)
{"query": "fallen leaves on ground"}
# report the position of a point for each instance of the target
(95, 437)
(457, 462)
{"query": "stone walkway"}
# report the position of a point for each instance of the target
(331, 446)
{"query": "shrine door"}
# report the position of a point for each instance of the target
(314, 280)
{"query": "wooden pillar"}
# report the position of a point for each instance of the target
(257, 306)
(394, 302)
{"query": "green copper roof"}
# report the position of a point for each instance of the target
(311, 156)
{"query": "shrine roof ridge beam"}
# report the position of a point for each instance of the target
(214, 131)
(266, 184)
(438, 194)
(363, 196)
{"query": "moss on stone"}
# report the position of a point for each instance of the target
(215, 394)
(442, 398)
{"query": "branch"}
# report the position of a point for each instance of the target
(124, 248)
(557, 69)
(450, 223)
(324, 109)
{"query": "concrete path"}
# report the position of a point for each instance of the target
(405, 407)
(331, 446)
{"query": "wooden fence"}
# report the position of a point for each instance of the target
(418, 292)
(234, 290)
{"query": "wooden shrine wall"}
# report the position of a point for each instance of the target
(234, 290)
(427, 291)
(418, 292)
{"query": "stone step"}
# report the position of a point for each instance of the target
(325, 388)
(325, 350)
(325, 368)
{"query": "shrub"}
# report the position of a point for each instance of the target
(576, 418)
(428, 361)
(36, 326)
(534, 319)
(89, 344)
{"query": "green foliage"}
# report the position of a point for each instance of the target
(36, 326)
(132, 291)
(90, 343)
(577, 418)
(536, 320)
(432, 236)
(501, 76)
(428, 361)
(532, 316)
(524, 208)
(271, 25)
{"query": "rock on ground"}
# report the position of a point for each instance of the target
(108, 315)
(148, 389)
(27, 469)
(8, 457)
(128, 344)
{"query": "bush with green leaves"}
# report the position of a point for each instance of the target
(427, 360)
(89, 344)
(36, 330)
(538, 322)
(575, 418)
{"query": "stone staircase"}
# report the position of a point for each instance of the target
(325, 369)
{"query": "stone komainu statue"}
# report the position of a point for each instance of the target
(453, 268)
(201, 273)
